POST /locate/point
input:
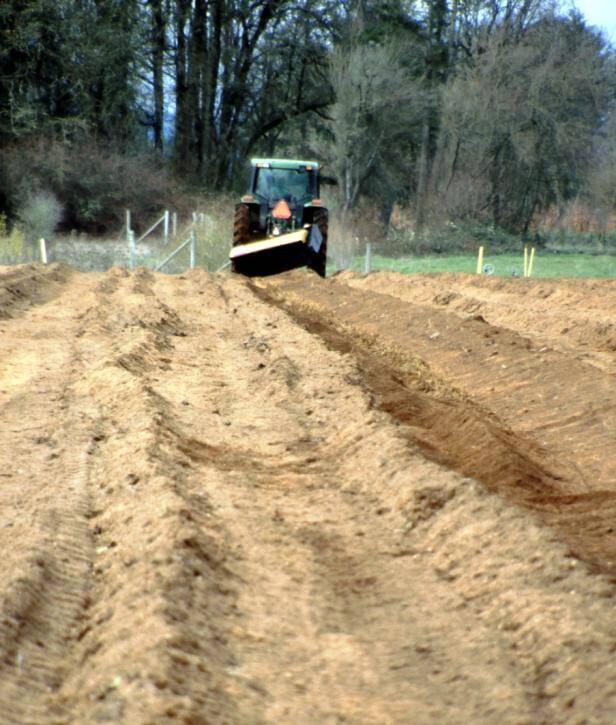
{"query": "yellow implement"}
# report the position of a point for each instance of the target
(271, 255)
(272, 243)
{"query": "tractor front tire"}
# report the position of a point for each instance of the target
(241, 224)
(318, 260)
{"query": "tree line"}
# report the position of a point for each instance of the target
(489, 110)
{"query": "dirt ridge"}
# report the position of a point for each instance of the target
(459, 419)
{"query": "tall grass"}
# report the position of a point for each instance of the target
(13, 246)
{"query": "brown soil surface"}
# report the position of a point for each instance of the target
(298, 500)
(568, 314)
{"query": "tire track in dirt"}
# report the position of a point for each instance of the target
(482, 400)
(160, 597)
(44, 498)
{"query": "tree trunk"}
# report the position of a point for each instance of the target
(182, 94)
(196, 62)
(158, 52)
(201, 52)
(436, 74)
(210, 86)
(234, 95)
(422, 179)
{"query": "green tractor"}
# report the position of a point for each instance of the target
(281, 223)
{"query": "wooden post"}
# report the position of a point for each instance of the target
(175, 224)
(530, 262)
(43, 245)
(480, 260)
(525, 273)
(368, 259)
(128, 227)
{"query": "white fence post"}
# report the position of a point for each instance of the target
(368, 259)
(193, 250)
(166, 224)
(131, 248)
(43, 245)
(175, 224)
(128, 227)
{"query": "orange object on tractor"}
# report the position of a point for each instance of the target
(281, 210)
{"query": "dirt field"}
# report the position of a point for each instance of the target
(377, 499)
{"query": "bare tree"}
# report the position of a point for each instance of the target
(518, 122)
(601, 187)
(435, 75)
(375, 99)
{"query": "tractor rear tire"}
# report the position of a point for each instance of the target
(241, 224)
(318, 261)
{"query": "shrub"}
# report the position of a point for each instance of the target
(12, 244)
(40, 215)
(447, 238)
(93, 183)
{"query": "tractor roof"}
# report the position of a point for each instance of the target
(285, 163)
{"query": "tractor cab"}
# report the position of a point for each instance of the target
(295, 184)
